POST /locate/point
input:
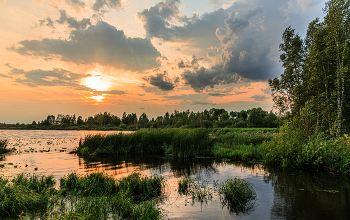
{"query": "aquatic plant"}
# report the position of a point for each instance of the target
(237, 194)
(92, 184)
(25, 195)
(240, 153)
(183, 142)
(198, 190)
(3, 145)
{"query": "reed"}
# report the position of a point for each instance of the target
(199, 190)
(95, 184)
(3, 145)
(26, 195)
(183, 142)
(237, 194)
(247, 153)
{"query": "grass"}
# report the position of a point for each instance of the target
(199, 190)
(92, 196)
(25, 194)
(246, 153)
(3, 145)
(182, 142)
(237, 195)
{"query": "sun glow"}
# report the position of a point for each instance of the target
(97, 83)
(98, 98)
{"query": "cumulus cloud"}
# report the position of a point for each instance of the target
(193, 63)
(160, 21)
(100, 4)
(72, 22)
(162, 82)
(203, 77)
(240, 40)
(101, 43)
(55, 77)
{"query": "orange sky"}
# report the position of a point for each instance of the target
(88, 56)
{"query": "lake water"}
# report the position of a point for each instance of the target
(281, 193)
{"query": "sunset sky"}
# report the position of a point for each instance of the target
(88, 56)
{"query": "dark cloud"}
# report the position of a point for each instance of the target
(100, 43)
(55, 77)
(159, 22)
(267, 90)
(192, 97)
(141, 94)
(72, 22)
(259, 98)
(161, 81)
(202, 103)
(100, 4)
(142, 108)
(76, 4)
(112, 92)
(216, 94)
(193, 63)
(203, 77)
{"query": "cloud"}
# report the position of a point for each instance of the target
(141, 94)
(216, 94)
(162, 82)
(5, 76)
(112, 92)
(203, 77)
(193, 63)
(55, 77)
(100, 4)
(76, 4)
(259, 98)
(72, 22)
(202, 103)
(192, 97)
(160, 21)
(47, 22)
(101, 43)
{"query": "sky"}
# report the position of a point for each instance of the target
(84, 57)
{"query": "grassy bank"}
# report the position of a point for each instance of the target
(94, 196)
(294, 147)
(180, 142)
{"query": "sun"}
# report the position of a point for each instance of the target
(96, 82)
(98, 98)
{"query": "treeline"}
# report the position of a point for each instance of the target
(316, 79)
(213, 118)
(313, 95)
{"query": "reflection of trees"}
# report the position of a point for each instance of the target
(307, 195)
(179, 166)
(185, 166)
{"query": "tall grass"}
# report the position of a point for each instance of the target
(237, 194)
(91, 196)
(25, 195)
(233, 139)
(3, 145)
(247, 153)
(183, 142)
(199, 190)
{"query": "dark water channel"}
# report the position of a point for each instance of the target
(281, 193)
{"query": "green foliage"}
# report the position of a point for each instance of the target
(141, 188)
(199, 190)
(3, 145)
(247, 153)
(25, 195)
(91, 184)
(237, 194)
(184, 142)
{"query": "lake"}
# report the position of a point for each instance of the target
(281, 193)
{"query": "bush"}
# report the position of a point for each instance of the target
(3, 145)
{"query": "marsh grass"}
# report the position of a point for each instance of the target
(182, 142)
(199, 191)
(237, 195)
(3, 145)
(26, 195)
(247, 153)
(92, 196)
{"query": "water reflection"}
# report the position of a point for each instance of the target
(308, 195)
